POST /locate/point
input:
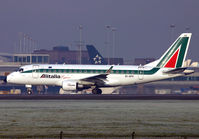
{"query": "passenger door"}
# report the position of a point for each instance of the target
(140, 72)
(35, 73)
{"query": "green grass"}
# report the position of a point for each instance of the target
(85, 118)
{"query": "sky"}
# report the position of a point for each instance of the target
(142, 26)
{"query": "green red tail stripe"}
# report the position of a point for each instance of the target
(175, 55)
(172, 62)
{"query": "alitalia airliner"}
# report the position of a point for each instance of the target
(80, 77)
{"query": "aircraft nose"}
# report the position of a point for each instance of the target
(8, 78)
(5, 79)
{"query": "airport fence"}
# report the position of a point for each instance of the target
(133, 136)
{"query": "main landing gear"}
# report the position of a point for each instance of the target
(96, 91)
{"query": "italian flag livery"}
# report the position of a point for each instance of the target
(80, 77)
(174, 57)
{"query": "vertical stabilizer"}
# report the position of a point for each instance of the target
(175, 56)
(94, 56)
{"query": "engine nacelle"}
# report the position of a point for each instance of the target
(69, 85)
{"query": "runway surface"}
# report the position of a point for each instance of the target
(99, 97)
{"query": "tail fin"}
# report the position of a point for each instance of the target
(94, 56)
(175, 56)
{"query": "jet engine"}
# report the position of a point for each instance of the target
(69, 85)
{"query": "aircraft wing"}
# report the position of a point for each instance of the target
(98, 79)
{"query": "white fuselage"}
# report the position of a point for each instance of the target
(56, 74)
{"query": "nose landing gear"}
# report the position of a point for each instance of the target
(29, 89)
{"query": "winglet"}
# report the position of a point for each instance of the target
(109, 70)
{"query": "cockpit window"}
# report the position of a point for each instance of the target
(20, 70)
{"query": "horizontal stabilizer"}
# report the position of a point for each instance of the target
(188, 71)
(175, 71)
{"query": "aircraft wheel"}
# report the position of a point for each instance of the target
(97, 91)
(94, 91)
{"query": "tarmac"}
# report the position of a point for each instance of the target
(99, 97)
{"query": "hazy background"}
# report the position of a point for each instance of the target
(143, 26)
